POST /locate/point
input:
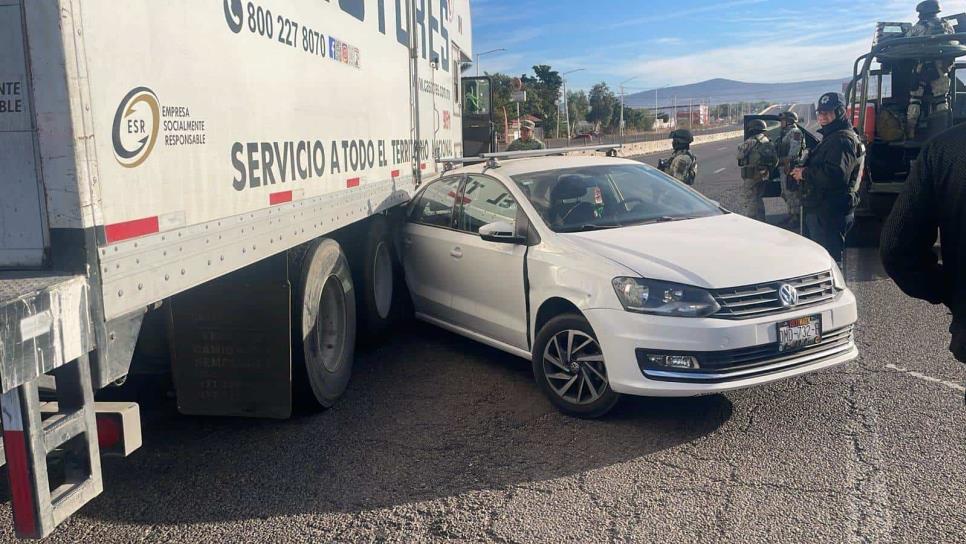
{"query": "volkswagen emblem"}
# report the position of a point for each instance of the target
(788, 295)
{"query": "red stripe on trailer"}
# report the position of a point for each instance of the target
(395, 173)
(131, 229)
(24, 518)
(279, 198)
(354, 182)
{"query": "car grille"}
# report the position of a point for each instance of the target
(723, 366)
(762, 299)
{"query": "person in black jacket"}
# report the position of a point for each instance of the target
(932, 206)
(830, 178)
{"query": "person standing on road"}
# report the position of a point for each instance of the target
(831, 177)
(933, 74)
(932, 206)
(757, 157)
(682, 164)
(526, 141)
(791, 153)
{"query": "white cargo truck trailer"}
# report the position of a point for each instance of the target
(230, 165)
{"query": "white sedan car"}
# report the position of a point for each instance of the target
(613, 278)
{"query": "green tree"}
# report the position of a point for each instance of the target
(579, 106)
(543, 93)
(502, 86)
(602, 102)
(637, 120)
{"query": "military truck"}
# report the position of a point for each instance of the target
(879, 97)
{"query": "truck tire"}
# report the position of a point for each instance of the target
(375, 271)
(325, 325)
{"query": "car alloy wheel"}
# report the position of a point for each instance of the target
(574, 366)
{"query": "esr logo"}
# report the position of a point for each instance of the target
(136, 126)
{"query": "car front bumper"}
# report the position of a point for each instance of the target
(623, 334)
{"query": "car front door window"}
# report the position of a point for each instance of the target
(485, 200)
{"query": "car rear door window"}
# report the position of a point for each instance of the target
(436, 203)
(485, 200)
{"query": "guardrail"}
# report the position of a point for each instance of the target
(615, 139)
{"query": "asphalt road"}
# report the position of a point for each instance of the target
(439, 438)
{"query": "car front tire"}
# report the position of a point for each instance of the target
(569, 368)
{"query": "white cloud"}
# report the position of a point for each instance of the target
(688, 12)
(755, 63)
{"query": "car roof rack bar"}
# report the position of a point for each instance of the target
(491, 158)
(549, 152)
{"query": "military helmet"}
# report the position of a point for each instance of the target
(928, 8)
(682, 135)
(789, 116)
(757, 126)
(831, 102)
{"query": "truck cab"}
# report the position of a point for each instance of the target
(879, 97)
(479, 133)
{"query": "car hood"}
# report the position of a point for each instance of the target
(711, 252)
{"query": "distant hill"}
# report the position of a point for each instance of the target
(722, 91)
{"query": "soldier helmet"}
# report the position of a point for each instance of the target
(789, 117)
(528, 124)
(831, 102)
(928, 8)
(682, 135)
(757, 126)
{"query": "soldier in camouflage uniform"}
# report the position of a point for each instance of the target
(932, 75)
(682, 164)
(526, 141)
(757, 157)
(791, 154)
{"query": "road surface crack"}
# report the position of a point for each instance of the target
(870, 512)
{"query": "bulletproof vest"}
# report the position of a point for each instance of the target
(692, 172)
(855, 177)
(757, 156)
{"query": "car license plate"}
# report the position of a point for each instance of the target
(799, 333)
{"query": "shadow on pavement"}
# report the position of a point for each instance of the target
(428, 415)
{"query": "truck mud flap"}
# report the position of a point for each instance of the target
(231, 344)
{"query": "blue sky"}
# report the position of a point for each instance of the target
(665, 42)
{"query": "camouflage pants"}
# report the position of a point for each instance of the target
(752, 203)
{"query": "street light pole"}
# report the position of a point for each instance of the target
(563, 76)
(478, 55)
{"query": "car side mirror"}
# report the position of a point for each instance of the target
(500, 232)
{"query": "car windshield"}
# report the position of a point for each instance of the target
(610, 196)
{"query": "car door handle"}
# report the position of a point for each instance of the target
(408, 241)
(457, 252)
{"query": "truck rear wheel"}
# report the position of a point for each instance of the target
(324, 343)
(374, 269)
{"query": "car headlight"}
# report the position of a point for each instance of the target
(663, 298)
(838, 278)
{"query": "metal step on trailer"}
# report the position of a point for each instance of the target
(46, 329)
(28, 439)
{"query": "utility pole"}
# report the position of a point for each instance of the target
(567, 98)
(690, 113)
